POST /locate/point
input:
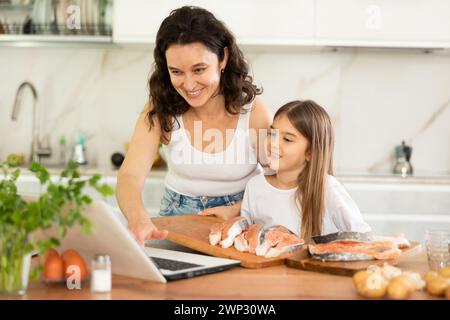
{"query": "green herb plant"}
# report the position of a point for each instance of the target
(61, 203)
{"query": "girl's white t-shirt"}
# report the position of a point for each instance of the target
(269, 206)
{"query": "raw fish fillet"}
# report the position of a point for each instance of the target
(351, 250)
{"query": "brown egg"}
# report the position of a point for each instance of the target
(72, 258)
(53, 268)
(51, 252)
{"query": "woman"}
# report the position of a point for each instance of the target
(200, 92)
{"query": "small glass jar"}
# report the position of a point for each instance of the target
(101, 274)
(438, 248)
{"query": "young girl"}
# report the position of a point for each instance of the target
(302, 195)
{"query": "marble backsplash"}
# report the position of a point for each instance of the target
(377, 98)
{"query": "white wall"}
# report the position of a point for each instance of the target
(375, 97)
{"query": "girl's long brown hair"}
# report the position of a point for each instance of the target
(313, 122)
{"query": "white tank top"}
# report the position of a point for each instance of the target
(195, 173)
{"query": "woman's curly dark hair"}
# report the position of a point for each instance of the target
(186, 25)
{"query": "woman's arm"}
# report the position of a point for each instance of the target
(224, 212)
(140, 156)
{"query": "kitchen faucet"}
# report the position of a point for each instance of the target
(37, 150)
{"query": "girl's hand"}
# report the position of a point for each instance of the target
(224, 212)
(146, 230)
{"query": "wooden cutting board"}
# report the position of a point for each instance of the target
(192, 231)
(345, 268)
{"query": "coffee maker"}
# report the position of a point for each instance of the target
(403, 165)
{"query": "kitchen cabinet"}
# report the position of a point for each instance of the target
(402, 23)
(46, 23)
(356, 23)
(252, 21)
(137, 21)
(401, 207)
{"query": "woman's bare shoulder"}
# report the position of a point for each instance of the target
(156, 126)
(261, 116)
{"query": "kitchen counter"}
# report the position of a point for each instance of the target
(109, 172)
(424, 179)
(344, 177)
(280, 282)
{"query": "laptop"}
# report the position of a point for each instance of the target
(110, 236)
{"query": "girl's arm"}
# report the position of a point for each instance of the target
(140, 156)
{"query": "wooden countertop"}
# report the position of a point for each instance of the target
(280, 282)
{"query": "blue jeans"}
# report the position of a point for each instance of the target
(173, 203)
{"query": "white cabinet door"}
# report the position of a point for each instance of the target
(265, 21)
(138, 21)
(251, 21)
(393, 208)
(395, 22)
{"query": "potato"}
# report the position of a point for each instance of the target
(398, 289)
(407, 281)
(373, 286)
(445, 272)
(360, 276)
(415, 280)
(437, 287)
(430, 275)
(390, 272)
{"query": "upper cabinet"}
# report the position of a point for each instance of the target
(381, 23)
(35, 22)
(137, 21)
(400, 23)
(265, 21)
(252, 21)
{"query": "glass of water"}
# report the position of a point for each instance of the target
(437, 243)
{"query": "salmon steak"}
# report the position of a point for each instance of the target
(253, 238)
(277, 240)
(224, 233)
(249, 240)
(287, 243)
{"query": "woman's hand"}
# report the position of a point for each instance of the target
(146, 230)
(224, 212)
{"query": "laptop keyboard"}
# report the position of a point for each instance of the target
(173, 265)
